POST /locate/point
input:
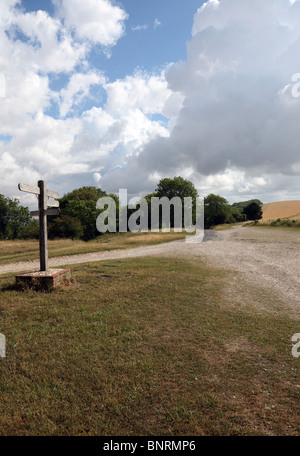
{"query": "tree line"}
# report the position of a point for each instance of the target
(78, 212)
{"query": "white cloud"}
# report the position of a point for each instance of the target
(156, 24)
(234, 114)
(34, 48)
(99, 21)
(139, 28)
(49, 47)
(107, 139)
(97, 178)
(146, 92)
(78, 89)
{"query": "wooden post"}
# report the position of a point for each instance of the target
(43, 194)
(43, 226)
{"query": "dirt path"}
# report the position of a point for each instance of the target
(267, 258)
(171, 247)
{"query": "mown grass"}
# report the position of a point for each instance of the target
(23, 250)
(147, 346)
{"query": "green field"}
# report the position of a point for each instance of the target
(147, 346)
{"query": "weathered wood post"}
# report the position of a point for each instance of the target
(43, 194)
(46, 278)
(43, 226)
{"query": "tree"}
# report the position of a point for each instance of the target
(65, 227)
(13, 218)
(253, 211)
(177, 187)
(216, 210)
(242, 204)
(236, 215)
(32, 231)
(80, 204)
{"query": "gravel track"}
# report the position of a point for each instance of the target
(267, 258)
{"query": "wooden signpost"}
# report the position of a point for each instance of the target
(44, 203)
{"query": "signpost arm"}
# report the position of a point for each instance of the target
(43, 226)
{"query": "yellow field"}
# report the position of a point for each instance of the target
(281, 209)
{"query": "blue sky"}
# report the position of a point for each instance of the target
(122, 94)
(154, 38)
(149, 48)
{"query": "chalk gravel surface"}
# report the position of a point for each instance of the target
(264, 257)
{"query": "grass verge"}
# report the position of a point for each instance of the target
(226, 226)
(291, 225)
(24, 250)
(147, 346)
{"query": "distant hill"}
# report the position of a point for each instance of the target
(243, 204)
(281, 209)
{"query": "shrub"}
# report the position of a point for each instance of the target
(32, 230)
(253, 211)
(65, 227)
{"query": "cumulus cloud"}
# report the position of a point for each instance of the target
(238, 112)
(78, 89)
(99, 21)
(242, 54)
(227, 117)
(148, 93)
(40, 43)
(109, 137)
(36, 47)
